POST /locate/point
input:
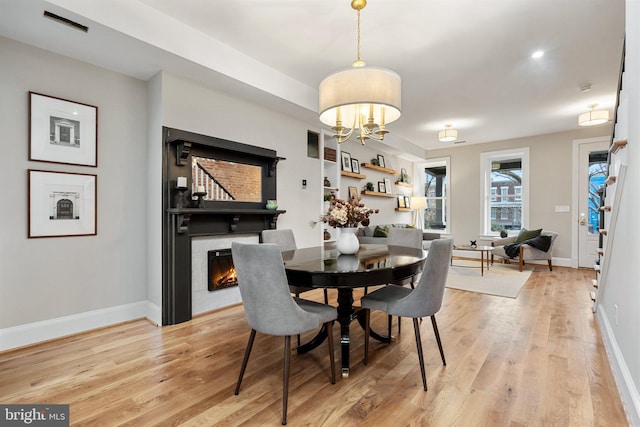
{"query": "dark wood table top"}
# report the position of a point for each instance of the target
(324, 267)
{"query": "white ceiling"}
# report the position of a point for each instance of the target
(464, 62)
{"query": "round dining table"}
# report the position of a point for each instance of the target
(325, 267)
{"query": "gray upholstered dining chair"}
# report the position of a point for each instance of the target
(425, 300)
(270, 308)
(408, 237)
(286, 240)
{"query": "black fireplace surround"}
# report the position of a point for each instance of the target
(183, 219)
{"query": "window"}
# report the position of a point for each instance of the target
(505, 173)
(435, 175)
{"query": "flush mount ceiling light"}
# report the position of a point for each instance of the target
(361, 97)
(593, 117)
(447, 134)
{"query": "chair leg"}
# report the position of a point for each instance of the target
(367, 330)
(521, 257)
(550, 266)
(389, 323)
(416, 328)
(399, 325)
(326, 296)
(247, 352)
(329, 326)
(435, 331)
(285, 377)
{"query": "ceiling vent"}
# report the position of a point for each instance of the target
(66, 21)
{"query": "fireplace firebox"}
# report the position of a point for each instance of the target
(221, 272)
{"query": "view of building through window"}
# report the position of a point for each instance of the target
(506, 194)
(435, 190)
(597, 176)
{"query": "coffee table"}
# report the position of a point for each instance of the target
(482, 249)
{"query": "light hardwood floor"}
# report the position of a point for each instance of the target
(537, 360)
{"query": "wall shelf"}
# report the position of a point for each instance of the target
(404, 209)
(353, 175)
(403, 184)
(379, 168)
(375, 193)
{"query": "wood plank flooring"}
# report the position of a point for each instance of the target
(537, 360)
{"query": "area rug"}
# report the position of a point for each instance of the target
(502, 280)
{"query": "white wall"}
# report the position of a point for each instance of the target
(50, 278)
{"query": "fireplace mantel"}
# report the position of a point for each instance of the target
(183, 219)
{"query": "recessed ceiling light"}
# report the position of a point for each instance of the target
(537, 54)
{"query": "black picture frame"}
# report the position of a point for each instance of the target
(355, 166)
(346, 161)
(381, 187)
(381, 161)
(401, 202)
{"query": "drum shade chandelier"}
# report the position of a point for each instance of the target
(447, 134)
(361, 97)
(593, 117)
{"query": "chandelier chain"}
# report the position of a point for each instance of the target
(358, 41)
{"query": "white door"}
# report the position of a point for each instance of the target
(592, 173)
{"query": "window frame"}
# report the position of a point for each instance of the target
(486, 197)
(446, 199)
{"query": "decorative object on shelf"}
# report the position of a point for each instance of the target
(326, 235)
(200, 193)
(401, 203)
(387, 185)
(407, 202)
(61, 204)
(370, 187)
(348, 243)
(329, 196)
(327, 183)
(374, 162)
(473, 244)
(381, 187)
(329, 154)
(355, 166)
(404, 177)
(447, 134)
(503, 233)
(181, 187)
(344, 95)
(353, 194)
(272, 204)
(593, 117)
(381, 161)
(62, 131)
(346, 161)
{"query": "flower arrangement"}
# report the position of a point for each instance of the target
(346, 213)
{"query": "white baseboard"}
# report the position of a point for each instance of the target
(624, 381)
(31, 333)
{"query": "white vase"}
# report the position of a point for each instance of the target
(347, 242)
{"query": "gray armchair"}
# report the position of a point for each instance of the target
(270, 308)
(425, 300)
(525, 252)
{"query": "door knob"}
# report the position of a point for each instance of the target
(583, 219)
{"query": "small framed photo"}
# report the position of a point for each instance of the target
(381, 187)
(401, 202)
(387, 185)
(353, 193)
(403, 175)
(407, 202)
(381, 161)
(62, 204)
(62, 131)
(346, 161)
(355, 166)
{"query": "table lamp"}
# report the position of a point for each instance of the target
(418, 203)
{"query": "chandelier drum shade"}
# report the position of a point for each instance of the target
(360, 98)
(593, 117)
(447, 134)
